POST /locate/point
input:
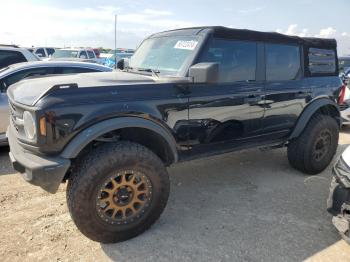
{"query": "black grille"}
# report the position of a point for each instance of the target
(14, 114)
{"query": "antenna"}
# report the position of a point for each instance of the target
(115, 41)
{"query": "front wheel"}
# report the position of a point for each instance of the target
(118, 191)
(314, 149)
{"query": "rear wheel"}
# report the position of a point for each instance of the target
(314, 149)
(117, 192)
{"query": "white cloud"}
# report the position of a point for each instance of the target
(293, 29)
(47, 25)
(327, 32)
(251, 10)
(156, 12)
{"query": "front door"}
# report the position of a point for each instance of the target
(228, 113)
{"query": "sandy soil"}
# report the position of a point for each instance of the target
(36, 226)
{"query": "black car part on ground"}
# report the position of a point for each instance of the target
(338, 203)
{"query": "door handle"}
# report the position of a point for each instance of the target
(254, 98)
(302, 94)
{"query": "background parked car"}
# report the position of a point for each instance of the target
(75, 54)
(11, 54)
(339, 196)
(14, 73)
(344, 96)
(97, 52)
(44, 52)
(344, 63)
(110, 62)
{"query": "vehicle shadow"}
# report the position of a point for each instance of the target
(245, 206)
(5, 164)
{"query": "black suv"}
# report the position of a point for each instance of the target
(184, 94)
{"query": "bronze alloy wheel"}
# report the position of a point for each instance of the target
(322, 145)
(124, 197)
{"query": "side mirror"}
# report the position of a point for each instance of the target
(121, 64)
(205, 72)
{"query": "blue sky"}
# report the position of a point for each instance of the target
(90, 22)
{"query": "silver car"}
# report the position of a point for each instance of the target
(16, 72)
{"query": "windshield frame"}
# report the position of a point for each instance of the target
(183, 72)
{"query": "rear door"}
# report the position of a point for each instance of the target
(287, 91)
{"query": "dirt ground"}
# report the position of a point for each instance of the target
(245, 206)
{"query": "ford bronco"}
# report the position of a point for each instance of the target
(185, 94)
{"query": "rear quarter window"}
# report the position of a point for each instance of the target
(91, 54)
(50, 51)
(322, 61)
(8, 57)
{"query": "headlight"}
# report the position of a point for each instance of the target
(29, 125)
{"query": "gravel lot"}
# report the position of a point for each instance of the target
(245, 206)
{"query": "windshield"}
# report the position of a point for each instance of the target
(166, 55)
(65, 54)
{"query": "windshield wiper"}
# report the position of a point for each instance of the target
(153, 71)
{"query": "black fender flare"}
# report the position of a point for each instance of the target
(308, 113)
(91, 133)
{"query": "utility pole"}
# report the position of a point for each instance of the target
(115, 41)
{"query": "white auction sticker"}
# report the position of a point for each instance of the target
(189, 45)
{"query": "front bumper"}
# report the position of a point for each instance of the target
(338, 204)
(46, 172)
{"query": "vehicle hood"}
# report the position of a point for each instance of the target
(29, 91)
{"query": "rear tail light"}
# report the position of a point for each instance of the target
(342, 95)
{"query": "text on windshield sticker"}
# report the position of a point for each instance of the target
(188, 45)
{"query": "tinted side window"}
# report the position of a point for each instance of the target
(18, 76)
(40, 52)
(82, 54)
(91, 54)
(322, 61)
(10, 57)
(236, 59)
(282, 62)
(76, 70)
(50, 51)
